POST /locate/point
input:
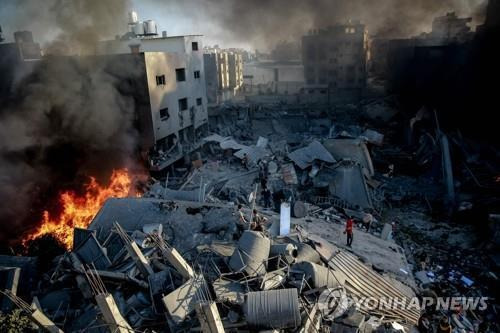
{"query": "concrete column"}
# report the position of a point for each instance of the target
(285, 219)
(111, 314)
(209, 317)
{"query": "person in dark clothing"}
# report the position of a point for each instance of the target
(278, 198)
(258, 221)
(266, 195)
(424, 324)
(444, 325)
(263, 182)
(245, 161)
(348, 230)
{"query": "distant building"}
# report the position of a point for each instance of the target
(335, 59)
(16, 60)
(450, 28)
(235, 69)
(176, 85)
(273, 77)
(224, 74)
(388, 55)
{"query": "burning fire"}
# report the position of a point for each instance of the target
(79, 210)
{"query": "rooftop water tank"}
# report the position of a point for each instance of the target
(132, 17)
(139, 28)
(150, 28)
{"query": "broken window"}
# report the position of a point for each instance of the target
(183, 104)
(164, 115)
(196, 74)
(194, 46)
(135, 49)
(199, 101)
(180, 74)
(160, 80)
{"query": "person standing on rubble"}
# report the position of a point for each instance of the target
(348, 230)
(242, 223)
(367, 220)
(266, 195)
(263, 181)
(424, 324)
(258, 221)
(242, 219)
(444, 325)
(244, 161)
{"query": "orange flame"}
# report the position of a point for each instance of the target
(79, 210)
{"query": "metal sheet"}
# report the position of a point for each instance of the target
(351, 149)
(304, 157)
(251, 254)
(273, 308)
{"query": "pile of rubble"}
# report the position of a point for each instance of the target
(128, 276)
(184, 257)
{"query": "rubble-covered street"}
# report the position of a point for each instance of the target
(249, 166)
(186, 257)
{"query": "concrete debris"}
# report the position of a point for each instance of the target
(347, 182)
(351, 149)
(304, 157)
(251, 254)
(252, 237)
(373, 136)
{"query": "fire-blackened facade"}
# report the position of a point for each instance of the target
(335, 58)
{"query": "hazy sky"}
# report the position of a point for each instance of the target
(179, 18)
(235, 23)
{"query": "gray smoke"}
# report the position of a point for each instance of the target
(70, 117)
(264, 22)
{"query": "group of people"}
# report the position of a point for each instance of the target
(367, 221)
(257, 222)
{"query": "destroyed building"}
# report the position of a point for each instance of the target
(174, 72)
(335, 60)
(224, 74)
(274, 77)
(16, 60)
(304, 204)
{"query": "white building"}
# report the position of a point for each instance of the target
(177, 94)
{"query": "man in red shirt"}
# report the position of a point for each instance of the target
(348, 230)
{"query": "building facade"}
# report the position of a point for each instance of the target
(335, 58)
(224, 74)
(235, 71)
(17, 59)
(177, 117)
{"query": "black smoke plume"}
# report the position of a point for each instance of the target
(263, 23)
(70, 117)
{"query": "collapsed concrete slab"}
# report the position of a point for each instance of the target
(315, 151)
(181, 302)
(351, 149)
(347, 182)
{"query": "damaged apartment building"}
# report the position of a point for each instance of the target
(175, 115)
(335, 61)
(224, 74)
(310, 204)
(16, 59)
